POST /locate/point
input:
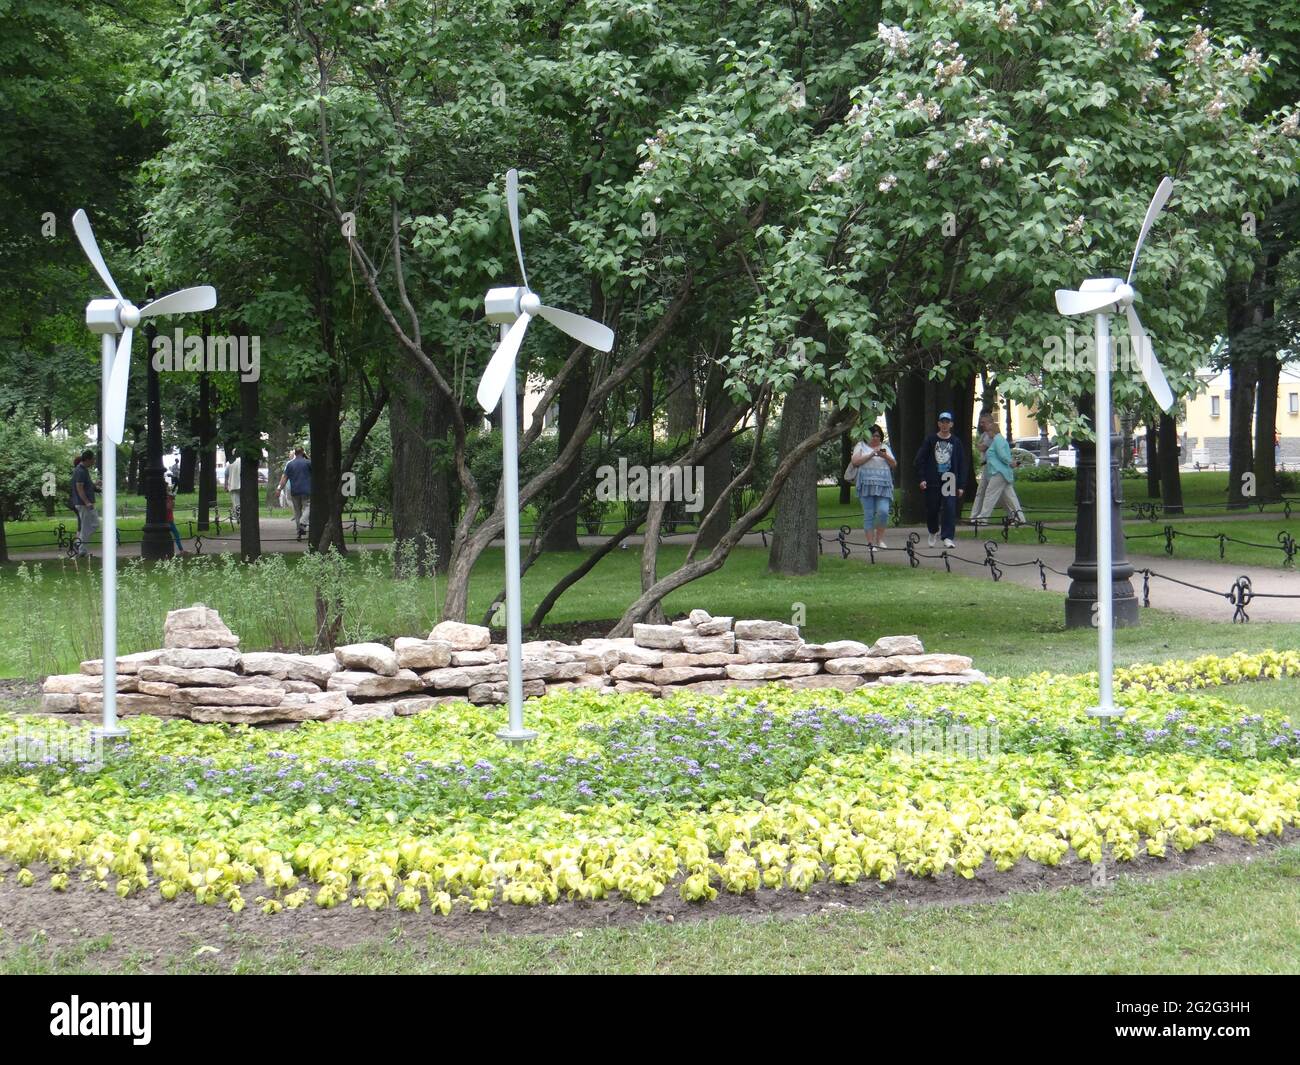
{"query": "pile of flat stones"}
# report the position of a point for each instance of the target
(200, 674)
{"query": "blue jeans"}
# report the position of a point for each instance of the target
(176, 535)
(875, 512)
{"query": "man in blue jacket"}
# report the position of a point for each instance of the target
(941, 469)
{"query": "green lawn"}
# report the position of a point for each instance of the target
(1230, 918)
(1006, 628)
(41, 532)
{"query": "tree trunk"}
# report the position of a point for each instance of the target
(717, 465)
(325, 524)
(697, 568)
(963, 410)
(133, 486)
(682, 415)
(47, 430)
(562, 530)
(250, 462)
(207, 452)
(645, 403)
(4, 542)
(186, 475)
(418, 422)
(846, 453)
(1153, 462)
(279, 448)
(912, 428)
(1171, 485)
(1269, 373)
(1243, 371)
(1241, 417)
(794, 549)
(654, 614)
(586, 566)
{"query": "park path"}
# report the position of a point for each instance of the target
(1017, 564)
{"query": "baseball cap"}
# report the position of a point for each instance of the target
(945, 416)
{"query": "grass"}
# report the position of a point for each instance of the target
(1004, 627)
(1230, 918)
(1282, 694)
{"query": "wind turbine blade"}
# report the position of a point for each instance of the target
(593, 334)
(502, 364)
(119, 378)
(187, 300)
(86, 235)
(1163, 191)
(1071, 301)
(1151, 371)
(512, 202)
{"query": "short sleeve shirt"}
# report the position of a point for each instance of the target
(299, 473)
(81, 476)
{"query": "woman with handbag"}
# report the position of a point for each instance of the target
(871, 467)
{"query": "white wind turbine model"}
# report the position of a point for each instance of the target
(109, 318)
(1100, 297)
(512, 309)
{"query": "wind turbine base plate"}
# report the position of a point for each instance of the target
(522, 736)
(101, 733)
(1106, 711)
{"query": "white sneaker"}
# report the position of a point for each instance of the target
(932, 538)
(882, 546)
(948, 543)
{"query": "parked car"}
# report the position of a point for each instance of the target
(1034, 445)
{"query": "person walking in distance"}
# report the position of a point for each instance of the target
(873, 463)
(232, 485)
(940, 466)
(83, 502)
(1000, 473)
(298, 475)
(171, 520)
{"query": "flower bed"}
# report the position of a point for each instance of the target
(764, 789)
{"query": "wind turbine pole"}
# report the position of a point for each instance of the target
(108, 470)
(1105, 578)
(515, 732)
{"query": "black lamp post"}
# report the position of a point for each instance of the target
(1081, 599)
(156, 541)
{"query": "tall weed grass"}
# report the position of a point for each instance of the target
(291, 603)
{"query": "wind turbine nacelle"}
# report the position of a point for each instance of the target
(1101, 284)
(101, 316)
(501, 305)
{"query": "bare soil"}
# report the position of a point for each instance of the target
(145, 932)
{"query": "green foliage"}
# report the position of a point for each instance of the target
(1044, 473)
(28, 463)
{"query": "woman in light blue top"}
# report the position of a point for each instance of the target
(875, 483)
